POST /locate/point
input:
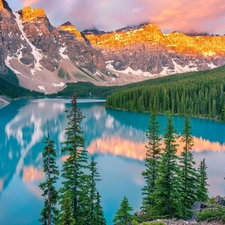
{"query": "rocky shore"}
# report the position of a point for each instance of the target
(184, 222)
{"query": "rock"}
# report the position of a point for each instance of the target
(68, 27)
(198, 206)
(146, 48)
(29, 14)
(220, 200)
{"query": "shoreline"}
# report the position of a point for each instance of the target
(4, 101)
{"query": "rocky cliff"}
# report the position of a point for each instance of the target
(44, 57)
(146, 50)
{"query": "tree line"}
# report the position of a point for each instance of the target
(172, 183)
(201, 95)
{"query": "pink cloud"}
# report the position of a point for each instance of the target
(30, 2)
(169, 15)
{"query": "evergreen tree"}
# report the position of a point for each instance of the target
(99, 218)
(75, 180)
(49, 212)
(123, 217)
(188, 172)
(202, 192)
(66, 216)
(95, 208)
(168, 185)
(151, 162)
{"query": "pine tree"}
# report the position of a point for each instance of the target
(95, 208)
(188, 172)
(99, 218)
(123, 217)
(202, 192)
(168, 185)
(66, 216)
(49, 212)
(75, 182)
(151, 162)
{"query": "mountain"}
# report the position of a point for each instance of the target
(145, 50)
(45, 58)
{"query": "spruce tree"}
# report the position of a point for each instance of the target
(123, 217)
(50, 194)
(202, 192)
(188, 172)
(151, 162)
(75, 182)
(99, 218)
(66, 216)
(95, 208)
(168, 185)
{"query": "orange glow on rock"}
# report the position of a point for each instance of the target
(29, 14)
(151, 37)
(71, 29)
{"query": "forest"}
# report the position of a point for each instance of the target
(9, 87)
(197, 94)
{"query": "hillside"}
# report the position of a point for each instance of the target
(9, 87)
(198, 94)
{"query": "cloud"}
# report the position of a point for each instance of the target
(30, 2)
(169, 15)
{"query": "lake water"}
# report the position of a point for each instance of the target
(115, 138)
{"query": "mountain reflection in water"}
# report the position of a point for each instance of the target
(116, 139)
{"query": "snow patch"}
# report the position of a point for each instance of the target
(42, 88)
(129, 70)
(182, 69)
(97, 73)
(211, 65)
(61, 52)
(36, 54)
(61, 84)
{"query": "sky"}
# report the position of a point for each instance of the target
(187, 16)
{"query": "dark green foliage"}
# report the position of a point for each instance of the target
(85, 89)
(75, 182)
(168, 184)
(9, 86)
(188, 172)
(214, 211)
(99, 218)
(151, 163)
(123, 217)
(199, 94)
(50, 194)
(96, 212)
(16, 91)
(202, 191)
(10, 77)
(66, 217)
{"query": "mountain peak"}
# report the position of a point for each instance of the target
(28, 13)
(69, 27)
(4, 5)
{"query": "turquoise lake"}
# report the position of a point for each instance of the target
(115, 138)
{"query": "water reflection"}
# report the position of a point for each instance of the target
(117, 139)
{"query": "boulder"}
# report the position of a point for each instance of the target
(198, 206)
